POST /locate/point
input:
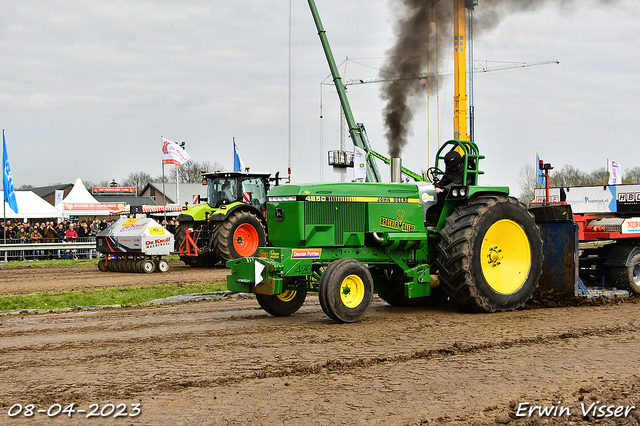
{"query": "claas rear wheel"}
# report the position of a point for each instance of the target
(490, 254)
(345, 290)
(283, 304)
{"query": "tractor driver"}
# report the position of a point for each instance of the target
(227, 193)
(453, 176)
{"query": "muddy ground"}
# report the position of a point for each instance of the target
(229, 363)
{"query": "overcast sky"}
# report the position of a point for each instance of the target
(88, 88)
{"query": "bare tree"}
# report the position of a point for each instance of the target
(191, 172)
(633, 175)
(527, 179)
(90, 184)
(26, 186)
(598, 177)
(568, 176)
(137, 180)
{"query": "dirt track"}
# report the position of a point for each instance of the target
(229, 363)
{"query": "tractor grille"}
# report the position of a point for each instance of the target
(344, 216)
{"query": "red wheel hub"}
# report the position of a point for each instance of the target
(245, 240)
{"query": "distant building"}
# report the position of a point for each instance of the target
(188, 192)
(48, 193)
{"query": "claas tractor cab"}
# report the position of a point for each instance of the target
(230, 224)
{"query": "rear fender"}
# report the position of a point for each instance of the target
(621, 254)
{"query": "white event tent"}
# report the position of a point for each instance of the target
(79, 202)
(30, 206)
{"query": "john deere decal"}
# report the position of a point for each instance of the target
(397, 223)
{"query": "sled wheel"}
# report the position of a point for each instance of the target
(490, 254)
(129, 265)
(283, 304)
(628, 276)
(239, 235)
(345, 290)
(109, 265)
(148, 266)
(163, 265)
(102, 265)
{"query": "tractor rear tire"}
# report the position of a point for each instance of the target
(490, 254)
(283, 304)
(345, 290)
(240, 235)
(628, 276)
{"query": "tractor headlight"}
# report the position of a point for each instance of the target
(454, 192)
(279, 199)
(463, 192)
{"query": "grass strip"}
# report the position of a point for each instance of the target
(106, 296)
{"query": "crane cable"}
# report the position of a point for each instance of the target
(289, 102)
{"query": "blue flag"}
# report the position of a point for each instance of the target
(541, 175)
(7, 180)
(238, 165)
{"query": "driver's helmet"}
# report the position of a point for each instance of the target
(453, 158)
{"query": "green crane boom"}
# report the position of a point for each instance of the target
(356, 130)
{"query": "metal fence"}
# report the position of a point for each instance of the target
(84, 248)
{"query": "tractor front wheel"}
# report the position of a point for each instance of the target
(345, 290)
(490, 254)
(207, 259)
(239, 235)
(283, 304)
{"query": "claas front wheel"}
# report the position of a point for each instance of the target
(240, 235)
(283, 304)
(345, 290)
(490, 254)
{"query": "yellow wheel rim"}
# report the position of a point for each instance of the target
(505, 256)
(352, 291)
(287, 295)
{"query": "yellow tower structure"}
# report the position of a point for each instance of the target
(460, 131)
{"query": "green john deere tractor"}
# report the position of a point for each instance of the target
(348, 241)
(231, 224)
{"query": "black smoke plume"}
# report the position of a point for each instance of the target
(415, 47)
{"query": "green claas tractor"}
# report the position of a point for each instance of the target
(347, 241)
(231, 224)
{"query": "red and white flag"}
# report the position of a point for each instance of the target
(172, 153)
(615, 172)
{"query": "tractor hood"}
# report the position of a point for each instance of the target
(356, 191)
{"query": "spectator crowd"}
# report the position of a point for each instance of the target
(50, 232)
